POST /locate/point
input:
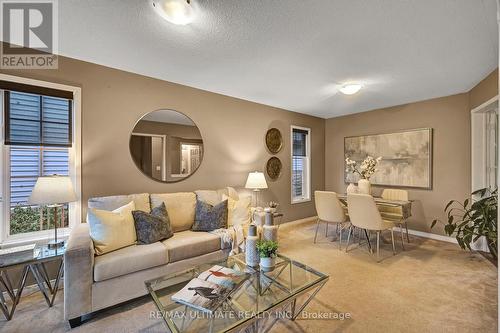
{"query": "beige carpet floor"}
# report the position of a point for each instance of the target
(430, 287)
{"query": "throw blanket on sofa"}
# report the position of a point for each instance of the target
(232, 237)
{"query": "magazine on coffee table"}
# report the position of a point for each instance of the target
(211, 288)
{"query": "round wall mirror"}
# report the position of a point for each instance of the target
(166, 146)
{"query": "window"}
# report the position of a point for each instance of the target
(32, 119)
(26, 165)
(39, 139)
(301, 162)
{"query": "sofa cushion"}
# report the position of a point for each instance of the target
(215, 197)
(210, 197)
(180, 208)
(189, 244)
(141, 202)
(112, 230)
(221, 192)
(128, 260)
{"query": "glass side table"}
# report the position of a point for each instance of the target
(36, 264)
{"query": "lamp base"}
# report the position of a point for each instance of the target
(55, 244)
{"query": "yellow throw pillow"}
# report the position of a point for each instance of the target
(238, 211)
(112, 230)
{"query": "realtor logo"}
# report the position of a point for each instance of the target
(29, 34)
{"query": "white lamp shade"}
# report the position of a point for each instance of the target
(256, 180)
(52, 190)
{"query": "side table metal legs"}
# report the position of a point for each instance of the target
(13, 295)
(39, 271)
(48, 290)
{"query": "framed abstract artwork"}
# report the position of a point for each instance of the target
(406, 157)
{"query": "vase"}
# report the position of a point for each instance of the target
(270, 233)
(364, 186)
(352, 188)
(251, 254)
(267, 263)
(269, 230)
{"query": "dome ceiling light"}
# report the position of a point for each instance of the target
(350, 88)
(179, 12)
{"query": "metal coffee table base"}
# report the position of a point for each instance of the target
(39, 271)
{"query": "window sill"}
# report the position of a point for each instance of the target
(35, 237)
(299, 201)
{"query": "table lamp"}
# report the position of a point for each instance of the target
(256, 181)
(53, 191)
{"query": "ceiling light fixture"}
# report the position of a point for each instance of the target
(350, 88)
(178, 12)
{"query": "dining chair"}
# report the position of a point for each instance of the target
(364, 214)
(396, 213)
(329, 210)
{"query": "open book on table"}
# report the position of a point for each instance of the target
(210, 289)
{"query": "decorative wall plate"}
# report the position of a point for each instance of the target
(274, 140)
(273, 168)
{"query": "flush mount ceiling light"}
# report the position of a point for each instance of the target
(178, 12)
(350, 88)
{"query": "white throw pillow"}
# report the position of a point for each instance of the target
(238, 211)
(112, 230)
(232, 193)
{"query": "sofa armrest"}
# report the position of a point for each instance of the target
(78, 272)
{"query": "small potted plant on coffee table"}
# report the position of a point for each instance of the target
(267, 252)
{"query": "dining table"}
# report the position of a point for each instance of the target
(382, 204)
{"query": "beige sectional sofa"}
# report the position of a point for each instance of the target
(95, 282)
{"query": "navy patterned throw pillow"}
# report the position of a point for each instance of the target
(208, 217)
(152, 227)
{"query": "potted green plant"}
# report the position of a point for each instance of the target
(267, 252)
(473, 219)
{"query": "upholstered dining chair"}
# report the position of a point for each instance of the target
(396, 213)
(364, 214)
(329, 210)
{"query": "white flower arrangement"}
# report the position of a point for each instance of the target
(365, 170)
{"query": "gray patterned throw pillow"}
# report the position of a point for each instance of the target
(208, 217)
(152, 227)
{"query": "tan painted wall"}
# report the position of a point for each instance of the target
(233, 133)
(450, 119)
(484, 90)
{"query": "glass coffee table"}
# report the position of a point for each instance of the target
(262, 295)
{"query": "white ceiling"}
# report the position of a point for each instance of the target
(293, 53)
(169, 117)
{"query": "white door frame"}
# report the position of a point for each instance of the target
(163, 147)
(479, 151)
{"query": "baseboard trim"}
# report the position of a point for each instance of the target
(299, 221)
(410, 231)
(429, 235)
